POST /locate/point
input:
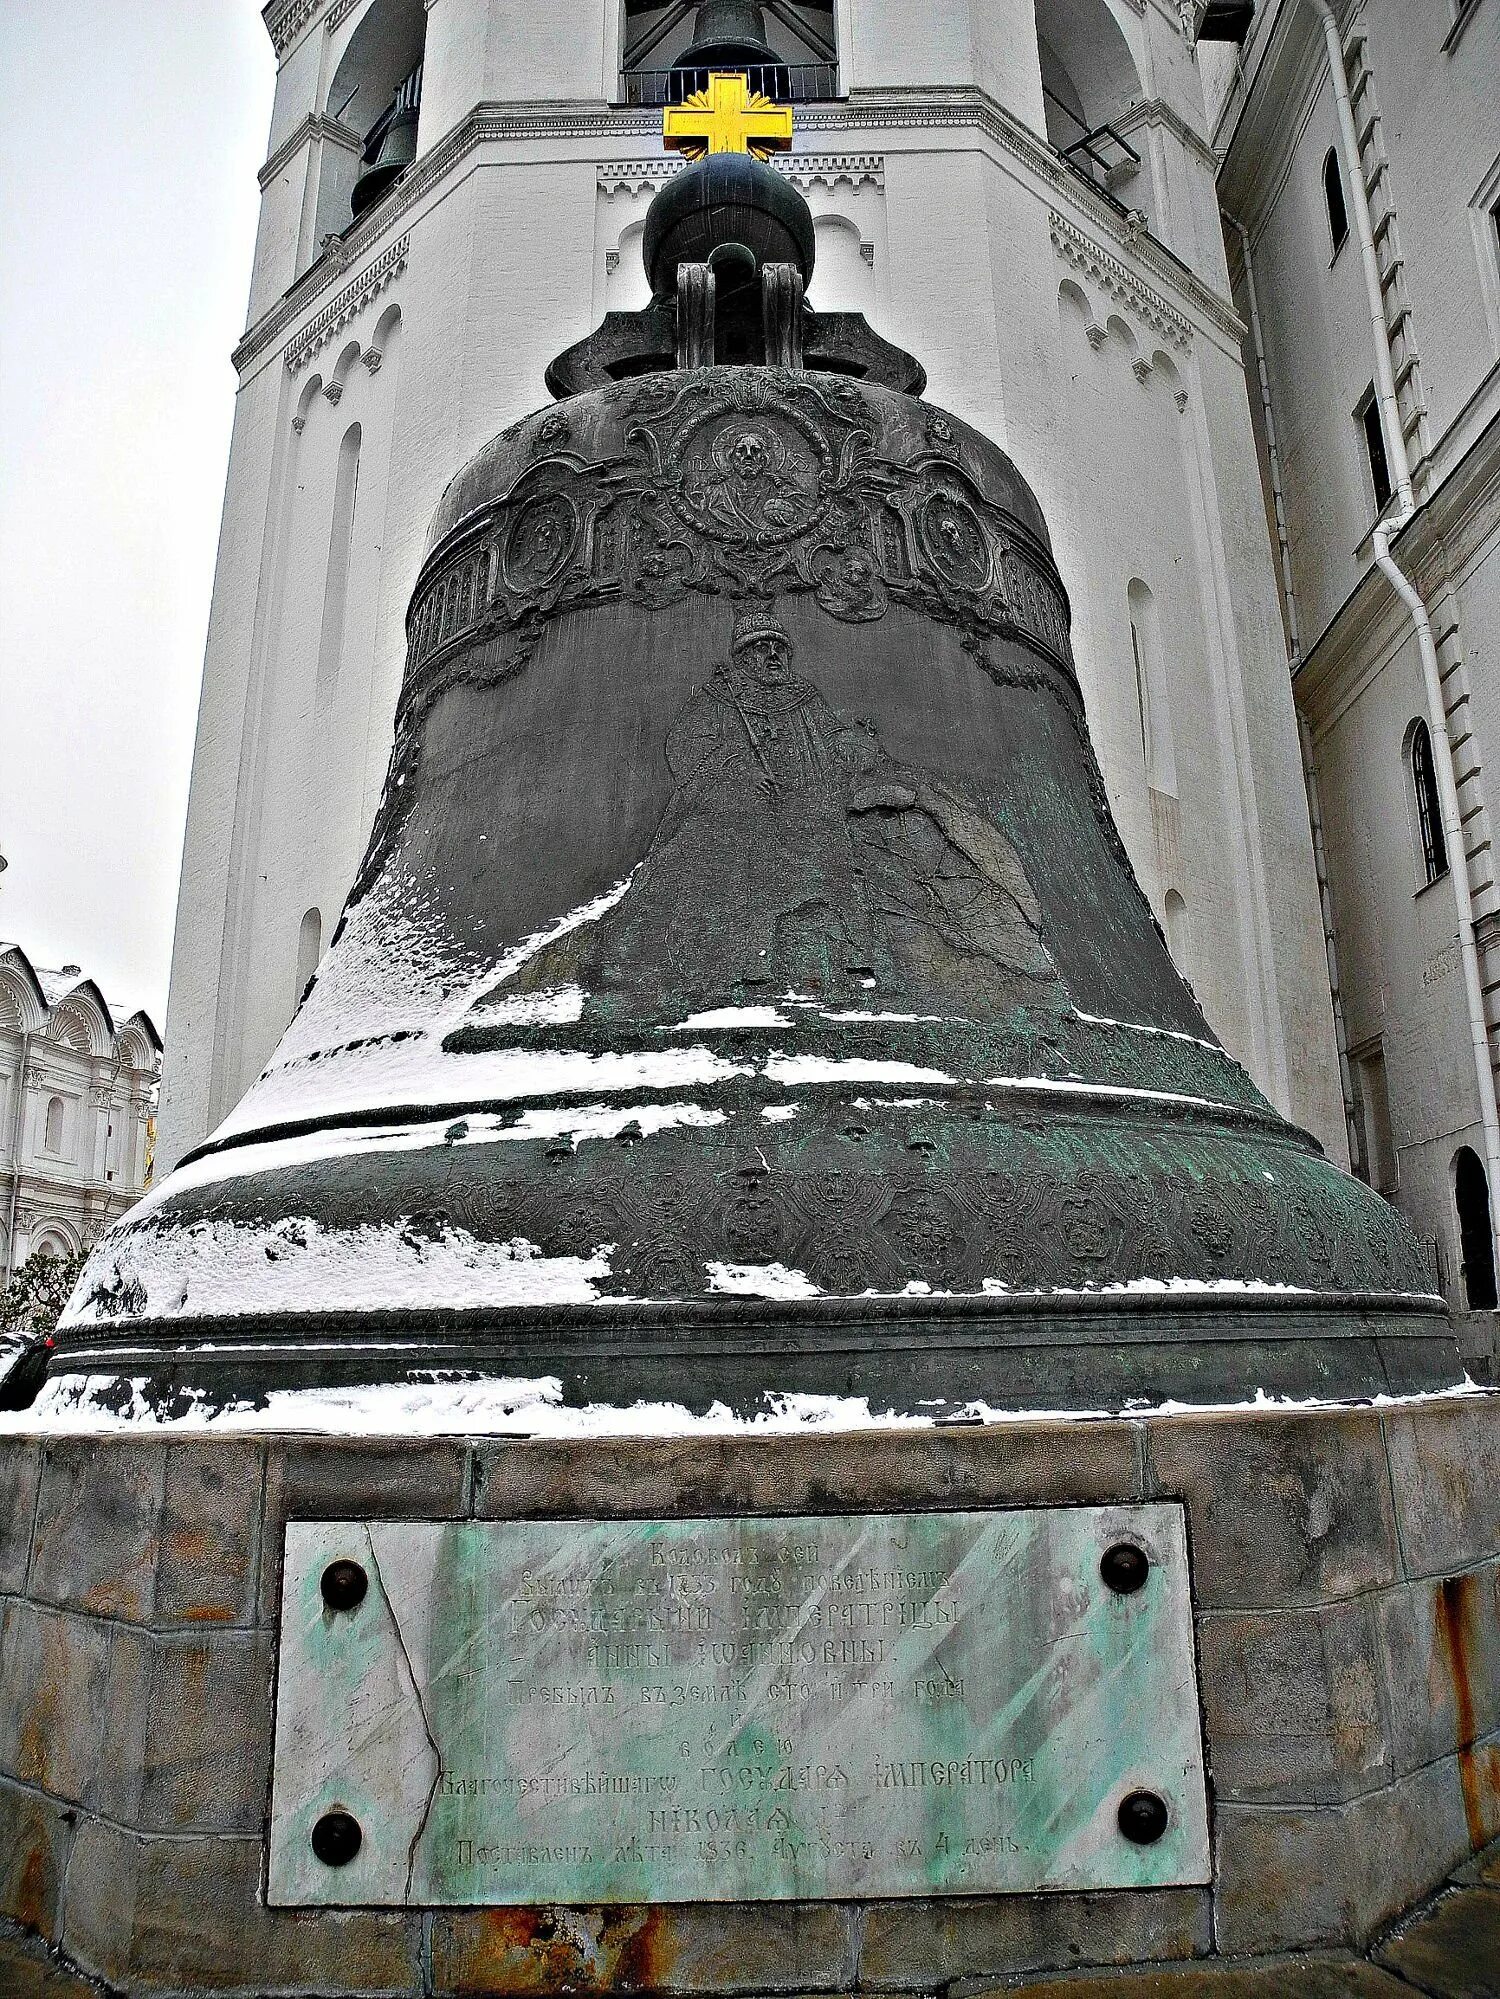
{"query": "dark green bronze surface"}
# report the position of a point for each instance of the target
(787, 999)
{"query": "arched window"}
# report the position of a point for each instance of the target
(1333, 196)
(340, 540)
(1476, 1233)
(373, 105)
(789, 48)
(1089, 81)
(53, 1131)
(1151, 701)
(309, 950)
(1432, 846)
(1175, 923)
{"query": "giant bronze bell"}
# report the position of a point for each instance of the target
(745, 988)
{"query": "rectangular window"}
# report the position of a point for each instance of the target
(1367, 416)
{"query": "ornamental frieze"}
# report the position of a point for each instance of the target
(750, 487)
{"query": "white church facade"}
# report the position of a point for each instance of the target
(1374, 348)
(78, 1091)
(1021, 192)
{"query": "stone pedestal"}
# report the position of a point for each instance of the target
(1346, 1576)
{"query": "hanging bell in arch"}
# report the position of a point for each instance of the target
(728, 34)
(389, 151)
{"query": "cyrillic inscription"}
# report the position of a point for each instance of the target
(736, 1710)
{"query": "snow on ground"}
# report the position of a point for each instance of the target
(452, 1406)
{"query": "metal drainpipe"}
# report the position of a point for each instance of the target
(1406, 590)
(18, 1124)
(1294, 661)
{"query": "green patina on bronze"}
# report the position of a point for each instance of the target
(745, 865)
(739, 1710)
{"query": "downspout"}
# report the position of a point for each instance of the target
(1294, 661)
(17, 1132)
(1406, 590)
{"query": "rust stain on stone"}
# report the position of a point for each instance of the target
(518, 1952)
(39, 1729)
(31, 1891)
(648, 1954)
(114, 1599)
(191, 1544)
(1478, 1769)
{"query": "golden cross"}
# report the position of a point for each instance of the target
(728, 117)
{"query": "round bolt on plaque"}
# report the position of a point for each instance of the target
(1125, 1568)
(336, 1838)
(344, 1585)
(1143, 1818)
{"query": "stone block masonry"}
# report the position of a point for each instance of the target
(1346, 1569)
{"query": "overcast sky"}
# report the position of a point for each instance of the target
(130, 135)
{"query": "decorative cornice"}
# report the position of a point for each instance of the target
(802, 169)
(286, 19)
(957, 105)
(870, 110)
(350, 302)
(311, 127)
(1121, 283)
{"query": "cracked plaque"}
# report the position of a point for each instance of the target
(515, 1713)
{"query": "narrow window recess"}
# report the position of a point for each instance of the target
(1471, 1197)
(1367, 416)
(1333, 198)
(1432, 845)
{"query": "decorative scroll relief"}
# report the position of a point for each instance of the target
(1113, 277)
(522, 1713)
(350, 302)
(746, 488)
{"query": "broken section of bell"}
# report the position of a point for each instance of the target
(745, 989)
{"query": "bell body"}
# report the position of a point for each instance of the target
(746, 989)
(394, 153)
(728, 34)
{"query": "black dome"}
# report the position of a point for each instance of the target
(726, 199)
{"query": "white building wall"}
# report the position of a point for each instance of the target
(946, 217)
(1427, 104)
(64, 1178)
